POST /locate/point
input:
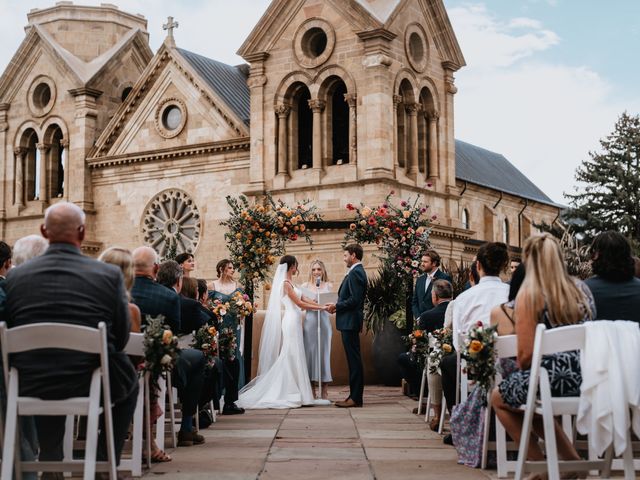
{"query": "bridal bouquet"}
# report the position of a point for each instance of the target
(206, 340)
(240, 304)
(220, 309)
(442, 345)
(227, 344)
(479, 353)
(160, 348)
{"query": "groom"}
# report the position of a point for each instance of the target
(349, 312)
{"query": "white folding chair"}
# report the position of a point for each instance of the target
(505, 347)
(555, 340)
(135, 347)
(68, 337)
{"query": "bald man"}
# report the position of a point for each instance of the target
(64, 286)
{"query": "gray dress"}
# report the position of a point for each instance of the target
(311, 340)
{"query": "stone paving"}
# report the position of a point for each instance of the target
(383, 440)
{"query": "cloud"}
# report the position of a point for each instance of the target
(543, 116)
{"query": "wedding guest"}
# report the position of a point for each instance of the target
(86, 292)
(615, 288)
(513, 264)
(121, 258)
(28, 247)
(191, 315)
(203, 299)
(503, 314)
(187, 262)
(318, 283)
(223, 289)
(548, 295)
(474, 305)
(5, 261)
(152, 298)
(429, 321)
(155, 299)
(430, 266)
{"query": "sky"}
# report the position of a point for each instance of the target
(544, 81)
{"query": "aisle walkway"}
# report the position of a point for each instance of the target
(383, 440)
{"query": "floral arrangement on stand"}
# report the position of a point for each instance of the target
(257, 233)
(479, 353)
(401, 232)
(206, 340)
(418, 343)
(160, 348)
(441, 345)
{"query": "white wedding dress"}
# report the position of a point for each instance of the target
(283, 382)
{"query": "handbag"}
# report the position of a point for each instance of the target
(467, 427)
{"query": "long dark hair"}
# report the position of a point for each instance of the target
(290, 260)
(611, 257)
(516, 281)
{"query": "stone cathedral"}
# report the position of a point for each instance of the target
(338, 101)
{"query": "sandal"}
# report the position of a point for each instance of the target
(159, 456)
(434, 423)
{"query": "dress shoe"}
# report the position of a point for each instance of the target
(448, 440)
(232, 409)
(349, 403)
(423, 410)
(187, 439)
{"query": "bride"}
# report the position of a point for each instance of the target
(283, 378)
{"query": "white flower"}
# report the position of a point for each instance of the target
(166, 360)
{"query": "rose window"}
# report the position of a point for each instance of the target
(171, 223)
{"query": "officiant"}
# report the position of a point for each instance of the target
(318, 284)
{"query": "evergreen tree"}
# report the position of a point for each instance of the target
(608, 194)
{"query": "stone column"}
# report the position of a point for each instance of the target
(433, 144)
(397, 100)
(447, 148)
(64, 145)
(352, 100)
(19, 153)
(283, 114)
(82, 138)
(263, 162)
(317, 106)
(412, 154)
(43, 148)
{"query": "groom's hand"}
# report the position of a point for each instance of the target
(330, 307)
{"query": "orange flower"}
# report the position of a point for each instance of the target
(352, 226)
(475, 346)
(418, 334)
(167, 336)
(446, 348)
(303, 227)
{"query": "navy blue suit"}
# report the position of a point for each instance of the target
(422, 297)
(349, 318)
(154, 299)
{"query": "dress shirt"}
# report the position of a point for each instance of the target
(352, 267)
(474, 305)
(429, 279)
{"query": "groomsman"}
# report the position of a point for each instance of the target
(349, 312)
(430, 266)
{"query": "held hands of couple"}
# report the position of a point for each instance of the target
(330, 307)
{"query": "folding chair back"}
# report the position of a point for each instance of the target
(69, 337)
(135, 348)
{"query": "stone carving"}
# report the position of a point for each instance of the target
(171, 221)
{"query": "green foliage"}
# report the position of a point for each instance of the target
(608, 194)
(459, 273)
(160, 348)
(385, 296)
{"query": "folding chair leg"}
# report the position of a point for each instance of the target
(172, 411)
(91, 445)
(443, 413)
(424, 379)
(136, 444)
(147, 416)
(501, 449)
(213, 412)
(162, 397)
(485, 436)
(427, 409)
(11, 429)
(69, 433)
(628, 458)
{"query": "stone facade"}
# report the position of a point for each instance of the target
(348, 100)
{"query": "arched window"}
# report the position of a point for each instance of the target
(302, 123)
(465, 219)
(31, 166)
(505, 231)
(338, 124)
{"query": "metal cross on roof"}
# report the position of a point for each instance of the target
(169, 26)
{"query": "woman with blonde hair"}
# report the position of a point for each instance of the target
(121, 258)
(318, 283)
(548, 295)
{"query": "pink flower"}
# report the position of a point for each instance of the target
(434, 217)
(429, 185)
(392, 192)
(422, 210)
(403, 203)
(479, 323)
